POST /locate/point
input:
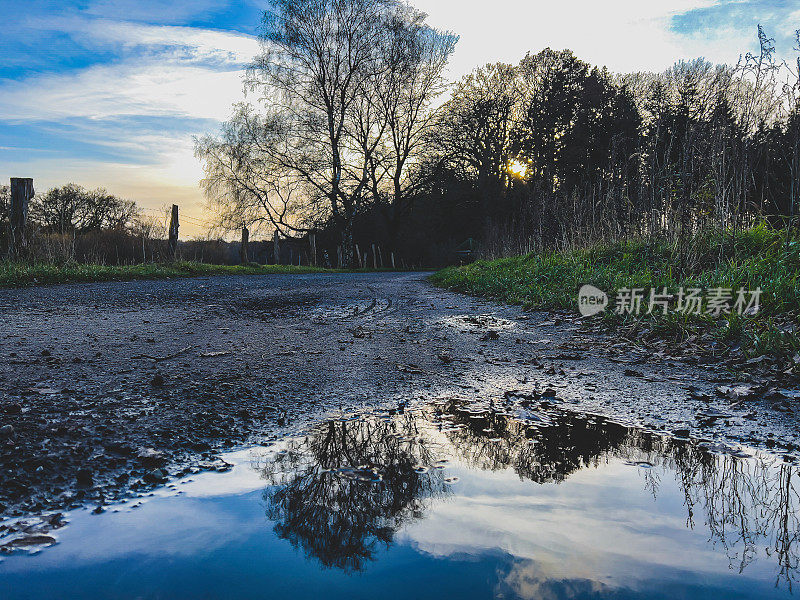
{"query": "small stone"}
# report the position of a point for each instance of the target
(13, 409)
(633, 373)
(445, 357)
(155, 476)
(157, 381)
(149, 457)
(6, 431)
(32, 540)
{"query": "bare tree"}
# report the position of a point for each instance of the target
(415, 56)
(72, 209)
(247, 182)
(345, 88)
(318, 55)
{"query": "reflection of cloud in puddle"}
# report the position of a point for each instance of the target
(243, 477)
(570, 513)
(527, 579)
(498, 511)
(165, 524)
(164, 527)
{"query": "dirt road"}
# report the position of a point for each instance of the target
(109, 389)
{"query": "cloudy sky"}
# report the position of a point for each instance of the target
(110, 92)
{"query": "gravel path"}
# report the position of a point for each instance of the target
(108, 389)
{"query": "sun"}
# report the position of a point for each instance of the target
(517, 168)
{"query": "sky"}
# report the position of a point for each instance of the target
(109, 93)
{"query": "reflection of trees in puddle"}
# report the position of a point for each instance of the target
(347, 487)
(542, 451)
(745, 504)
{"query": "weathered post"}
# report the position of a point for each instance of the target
(312, 241)
(173, 232)
(393, 267)
(374, 258)
(358, 254)
(339, 257)
(21, 193)
(380, 257)
(243, 247)
(276, 247)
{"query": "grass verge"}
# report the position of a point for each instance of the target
(20, 274)
(760, 257)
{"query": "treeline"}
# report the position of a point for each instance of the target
(356, 134)
(555, 152)
(73, 224)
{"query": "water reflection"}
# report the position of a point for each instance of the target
(744, 504)
(344, 491)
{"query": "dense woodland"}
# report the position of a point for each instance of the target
(352, 131)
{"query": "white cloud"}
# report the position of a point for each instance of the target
(176, 75)
(205, 44)
(188, 73)
(624, 35)
(102, 91)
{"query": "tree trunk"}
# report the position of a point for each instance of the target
(348, 246)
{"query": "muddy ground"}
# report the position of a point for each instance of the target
(108, 389)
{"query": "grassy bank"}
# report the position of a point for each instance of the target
(19, 274)
(759, 257)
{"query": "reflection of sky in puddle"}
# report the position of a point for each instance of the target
(566, 516)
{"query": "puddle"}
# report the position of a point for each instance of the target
(482, 322)
(513, 500)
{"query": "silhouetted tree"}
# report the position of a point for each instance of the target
(72, 209)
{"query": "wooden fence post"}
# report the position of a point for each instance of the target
(173, 232)
(276, 247)
(380, 257)
(21, 192)
(393, 267)
(312, 241)
(374, 258)
(358, 254)
(243, 248)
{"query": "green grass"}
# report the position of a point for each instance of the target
(758, 257)
(19, 274)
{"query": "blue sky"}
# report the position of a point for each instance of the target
(110, 92)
